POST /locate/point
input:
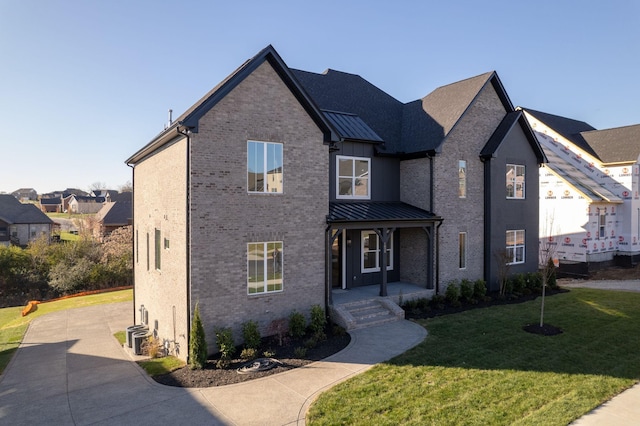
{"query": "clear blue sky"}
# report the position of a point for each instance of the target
(85, 84)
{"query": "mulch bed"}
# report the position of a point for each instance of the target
(212, 376)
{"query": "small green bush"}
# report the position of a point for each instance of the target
(518, 283)
(310, 343)
(251, 335)
(318, 319)
(479, 289)
(269, 353)
(300, 352)
(249, 353)
(297, 324)
(437, 301)
(466, 290)
(337, 330)
(534, 281)
(452, 293)
(197, 342)
(224, 339)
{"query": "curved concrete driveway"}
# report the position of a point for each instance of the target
(70, 370)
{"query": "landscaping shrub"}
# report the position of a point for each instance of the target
(297, 324)
(466, 290)
(518, 283)
(197, 342)
(551, 275)
(534, 281)
(300, 352)
(278, 327)
(452, 293)
(251, 335)
(318, 319)
(248, 353)
(479, 289)
(224, 340)
(437, 301)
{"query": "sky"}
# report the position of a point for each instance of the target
(84, 84)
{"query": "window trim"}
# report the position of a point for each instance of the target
(353, 177)
(377, 268)
(462, 178)
(265, 285)
(462, 250)
(515, 246)
(265, 186)
(514, 182)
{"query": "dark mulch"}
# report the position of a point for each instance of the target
(545, 329)
(213, 376)
(491, 300)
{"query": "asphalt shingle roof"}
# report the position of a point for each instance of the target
(621, 144)
(13, 211)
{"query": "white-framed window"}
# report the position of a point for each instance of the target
(371, 246)
(353, 177)
(602, 222)
(264, 167)
(264, 267)
(462, 250)
(515, 181)
(515, 246)
(462, 179)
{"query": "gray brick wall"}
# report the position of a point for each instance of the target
(225, 217)
(464, 142)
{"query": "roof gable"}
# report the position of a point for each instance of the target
(504, 128)
(189, 119)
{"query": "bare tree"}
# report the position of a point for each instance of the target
(503, 260)
(127, 187)
(547, 255)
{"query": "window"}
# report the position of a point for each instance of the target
(264, 167)
(462, 250)
(515, 247)
(166, 244)
(352, 180)
(264, 266)
(515, 181)
(462, 179)
(137, 247)
(602, 222)
(148, 251)
(371, 247)
(157, 241)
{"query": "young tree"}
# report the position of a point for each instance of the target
(197, 342)
(547, 266)
(503, 259)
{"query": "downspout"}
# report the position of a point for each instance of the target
(133, 242)
(188, 235)
(487, 221)
(438, 257)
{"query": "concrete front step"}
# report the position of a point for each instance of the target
(366, 313)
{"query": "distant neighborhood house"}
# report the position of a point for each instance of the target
(21, 223)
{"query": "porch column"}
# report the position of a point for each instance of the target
(430, 257)
(329, 264)
(384, 235)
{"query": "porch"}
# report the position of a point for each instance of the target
(362, 307)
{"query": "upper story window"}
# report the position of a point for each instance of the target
(157, 242)
(515, 246)
(462, 179)
(602, 222)
(264, 167)
(515, 181)
(352, 180)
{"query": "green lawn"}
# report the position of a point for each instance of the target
(13, 325)
(479, 367)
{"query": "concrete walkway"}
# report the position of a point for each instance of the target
(70, 370)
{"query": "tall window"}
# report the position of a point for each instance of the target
(462, 179)
(158, 243)
(148, 251)
(515, 181)
(602, 222)
(352, 180)
(371, 246)
(137, 247)
(264, 167)
(515, 247)
(462, 250)
(264, 266)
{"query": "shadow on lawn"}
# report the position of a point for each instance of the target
(600, 336)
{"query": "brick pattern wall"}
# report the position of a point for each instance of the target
(224, 217)
(464, 142)
(160, 203)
